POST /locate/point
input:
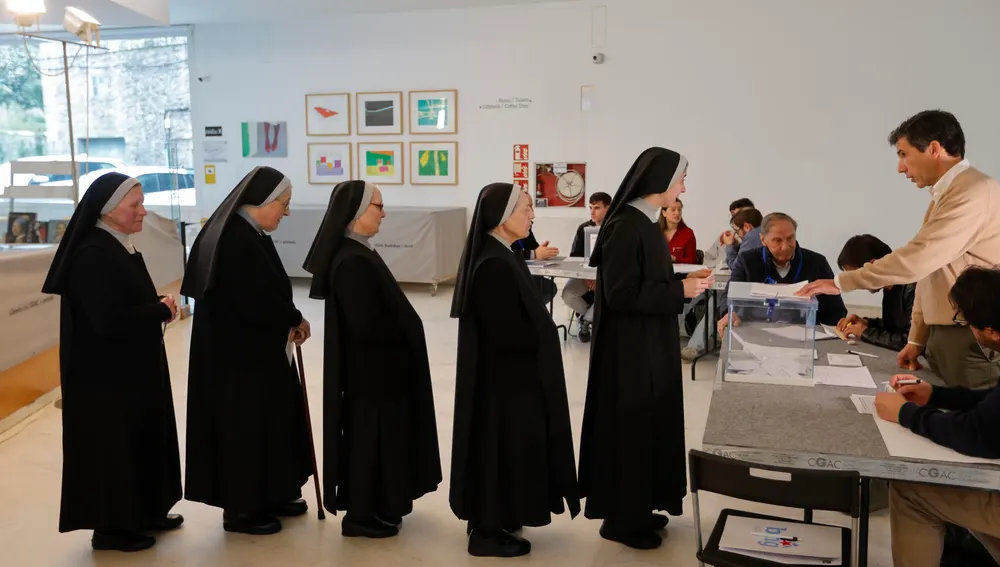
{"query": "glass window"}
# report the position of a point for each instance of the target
(150, 183)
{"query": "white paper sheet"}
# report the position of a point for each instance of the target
(813, 545)
(776, 290)
(903, 443)
(844, 359)
(688, 268)
(798, 332)
(864, 404)
(837, 376)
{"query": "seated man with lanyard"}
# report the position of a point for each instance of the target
(782, 261)
(579, 294)
(532, 250)
(969, 425)
(892, 330)
(746, 236)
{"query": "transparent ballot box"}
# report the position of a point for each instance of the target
(771, 336)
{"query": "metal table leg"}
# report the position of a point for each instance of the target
(711, 322)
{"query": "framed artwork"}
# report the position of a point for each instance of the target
(433, 163)
(264, 139)
(328, 114)
(560, 184)
(380, 113)
(21, 228)
(434, 112)
(56, 230)
(330, 163)
(381, 163)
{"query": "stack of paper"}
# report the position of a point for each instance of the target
(784, 542)
(837, 376)
(688, 268)
(844, 359)
(864, 404)
(777, 290)
(903, 443)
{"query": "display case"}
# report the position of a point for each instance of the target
(771, 336)
(38, 201)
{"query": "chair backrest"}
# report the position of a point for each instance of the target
(833, 490)
(700, 255)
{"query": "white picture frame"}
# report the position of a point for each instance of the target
(433, 163)
(391, 162)
(434, 112)
(330, 162)
(379, 113)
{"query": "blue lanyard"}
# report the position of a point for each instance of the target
(771, 303)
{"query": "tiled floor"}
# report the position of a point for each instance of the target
(30, 462)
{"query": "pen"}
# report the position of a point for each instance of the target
(862, 354)
(908, 382)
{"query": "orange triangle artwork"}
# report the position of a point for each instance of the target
(325, 112)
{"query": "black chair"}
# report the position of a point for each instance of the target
(700, 257)
(837, 491)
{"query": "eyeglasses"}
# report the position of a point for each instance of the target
(961, 322)
(380, 206)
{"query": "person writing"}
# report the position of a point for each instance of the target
(121, 471)
(632, 451)
(892, 329)
(380, 449)
(967, 421)
(512, 456)
(961, 228)
(247, 444)
(680, 237)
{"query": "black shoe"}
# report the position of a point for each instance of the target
(584, 332)
(373, 528)
(121, 541)
(251, 524)
(636, 539)
(497, 544)
(391, 520)
(658, 522)
(169, 522)
(288, 509)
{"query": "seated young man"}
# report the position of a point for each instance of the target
(782, 261)
(579, 294)
(893, 328)
(971, 425)
(726, 242)
(532, 250)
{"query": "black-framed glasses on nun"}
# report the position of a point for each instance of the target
(960, 321)
(379, 206)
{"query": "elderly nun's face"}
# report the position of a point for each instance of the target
(674, 191)
(127, 216)
(370, 221)
(519, 223)
(272, 213)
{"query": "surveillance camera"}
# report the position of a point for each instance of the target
(598, 58)
(82, 25)
(204, 78)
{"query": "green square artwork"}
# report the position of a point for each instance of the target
(433, 163)
(432, 112)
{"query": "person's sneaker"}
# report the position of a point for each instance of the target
(688, 354)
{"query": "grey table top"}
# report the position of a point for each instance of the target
(574, 268)
(819, 427)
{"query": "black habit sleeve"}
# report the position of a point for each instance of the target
(504, 323)
(366, 313)
(96, 276)
(625, 288)
(249, 281)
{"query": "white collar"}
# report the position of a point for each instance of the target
(243, 212)
(645, 208)
(121, 237)
(948, 178)
(506, 244)
(357, 237)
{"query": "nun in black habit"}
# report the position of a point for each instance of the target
(121, 467)
(512, 455)
(247, 443)
(380, 448)
(632, 454)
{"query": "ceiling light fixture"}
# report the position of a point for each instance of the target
(26, 12)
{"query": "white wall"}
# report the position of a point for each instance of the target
(788, 102)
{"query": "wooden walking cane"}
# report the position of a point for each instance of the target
(309, 428)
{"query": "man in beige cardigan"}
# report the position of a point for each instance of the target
(961, 229)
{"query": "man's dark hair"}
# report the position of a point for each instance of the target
(861, 249)
(752, 216)
(925, 127)
(601, 198)
(743, 203)
(975, 295)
